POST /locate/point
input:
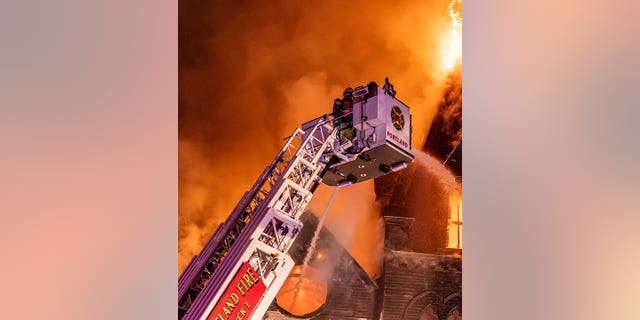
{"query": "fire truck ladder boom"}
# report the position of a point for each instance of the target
(243, 265)
(255, 229)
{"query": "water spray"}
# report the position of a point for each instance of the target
(312, 246)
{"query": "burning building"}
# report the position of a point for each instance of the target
(276, 73)
(422, 268)
(421, 272)
(418, 285)
(421, 275)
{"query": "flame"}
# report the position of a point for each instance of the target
(453, 52)
(311, 296)
(454, 228)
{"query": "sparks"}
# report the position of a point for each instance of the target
(454, 41)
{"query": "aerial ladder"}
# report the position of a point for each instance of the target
(243, 265)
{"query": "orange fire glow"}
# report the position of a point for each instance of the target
(453, 52)
(454, 228)
(311, 294)
(237, 73)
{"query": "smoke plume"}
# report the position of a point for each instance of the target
(354, 219)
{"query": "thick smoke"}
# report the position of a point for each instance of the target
(250, 73)
(354, 219)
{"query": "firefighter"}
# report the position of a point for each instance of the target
(346, 123)
(337, 112)
(388, 87)
(372, 90)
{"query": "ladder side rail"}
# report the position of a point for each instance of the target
(294, 152)
(270, 282)
(193, 269)
(190, 274)
(209, 292)
(320, 137)
(222, 244)
(271, 173)
(301, 188)
(306, 182)
(284, 241)
(222, 232)
(287, 171)
(218, 280)
(328, 139)
(221, 275)
(301, 150)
